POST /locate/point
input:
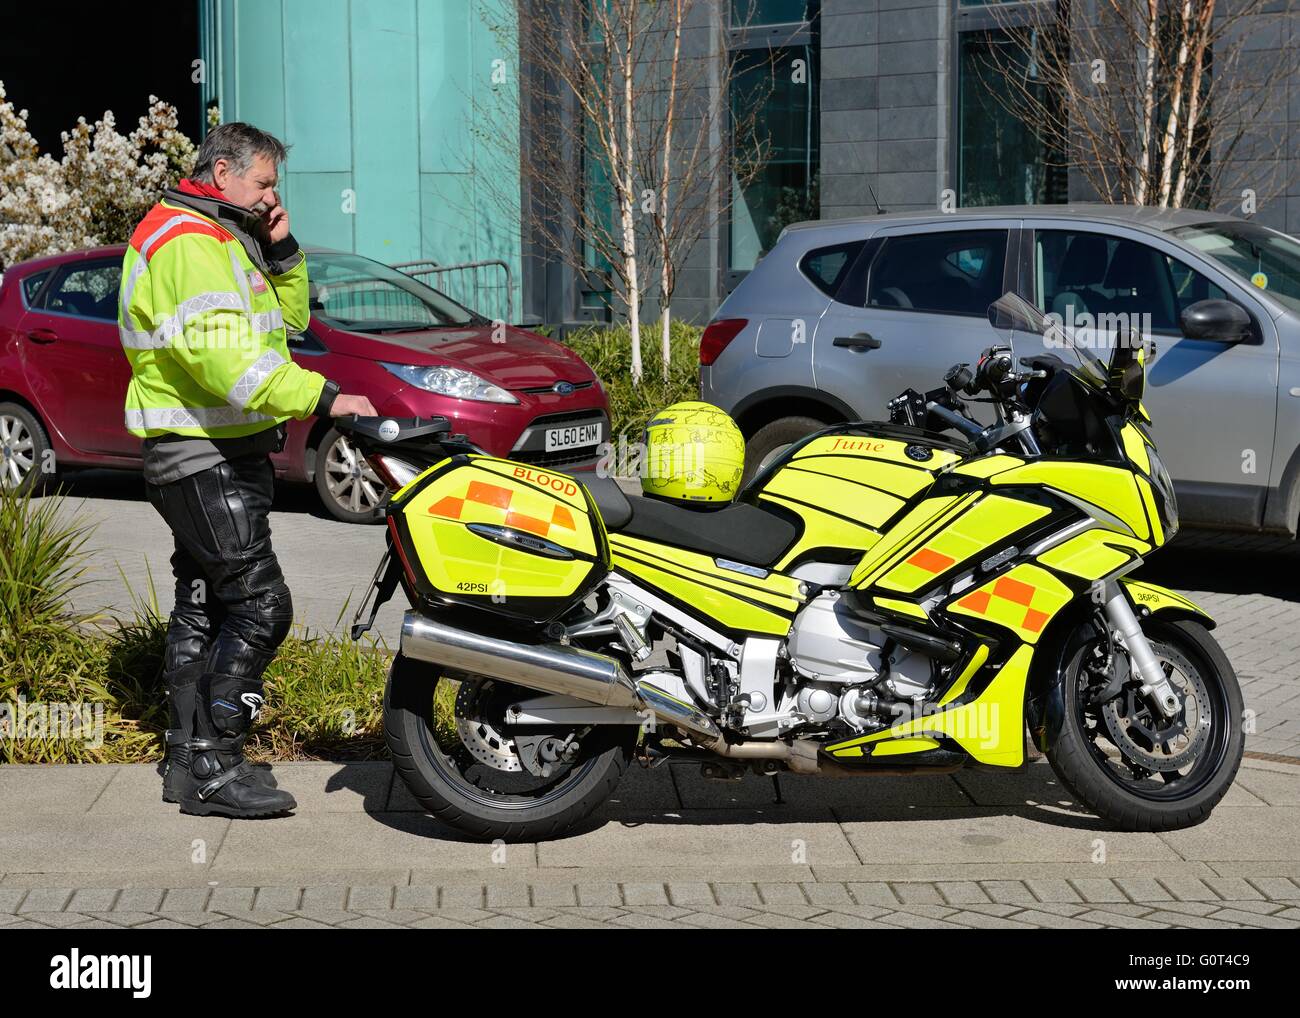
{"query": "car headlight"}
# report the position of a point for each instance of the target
(1168, 503)
(456, 382)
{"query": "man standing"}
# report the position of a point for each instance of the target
(211, 282)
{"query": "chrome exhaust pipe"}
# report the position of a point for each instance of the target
(551, 668)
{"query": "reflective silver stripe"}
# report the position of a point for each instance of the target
(268, 321)
(190, 417)
(135, 339)
(142, 263)
(249, 381)
(137, 270)
(174, 325)
(240, 280)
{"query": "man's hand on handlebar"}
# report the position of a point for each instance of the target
(344, 405)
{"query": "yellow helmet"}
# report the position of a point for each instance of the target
(695, 455)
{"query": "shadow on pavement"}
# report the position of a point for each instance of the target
(676, 796)
(1227, 564)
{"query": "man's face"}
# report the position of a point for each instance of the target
(254, 189)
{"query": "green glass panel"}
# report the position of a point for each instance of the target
(1002, 161)
(771, 12)
(782, 98)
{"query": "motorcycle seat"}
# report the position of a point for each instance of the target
(740, 532)
(615, 509)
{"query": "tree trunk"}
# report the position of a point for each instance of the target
(666, 281)
(1148, 103)
(628, 223)
(1204, 27)
(1175, 108)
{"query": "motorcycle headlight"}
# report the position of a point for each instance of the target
(456, 382)
(1166, 502)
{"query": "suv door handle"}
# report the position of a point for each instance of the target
(858, 341)
(43, 335)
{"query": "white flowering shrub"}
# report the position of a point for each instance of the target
(101, 188)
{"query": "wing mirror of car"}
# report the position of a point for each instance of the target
(1216, 319)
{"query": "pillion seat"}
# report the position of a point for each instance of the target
(739, 531)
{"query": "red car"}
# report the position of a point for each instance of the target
(376, 331)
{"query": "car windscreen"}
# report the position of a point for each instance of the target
(359, 295)
(1262, 257)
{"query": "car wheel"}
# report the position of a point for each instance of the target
(774, 438)
(23, 450)
(348, 487)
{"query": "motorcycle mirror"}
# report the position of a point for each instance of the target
(1011, 311)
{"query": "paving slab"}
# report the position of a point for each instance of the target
(44, 842)
(37, 789)
(692, 838)
(988, 835)
(1241, 833)
(387, 839)
(1275, 784)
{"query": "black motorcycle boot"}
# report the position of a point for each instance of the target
(220, 781)
(182, 697)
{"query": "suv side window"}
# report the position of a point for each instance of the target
(953, 272)
(1190, 286)
(87, 291)
(1078, 273)
(827, 267)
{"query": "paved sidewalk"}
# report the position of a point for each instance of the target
(93, 845)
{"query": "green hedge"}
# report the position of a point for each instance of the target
(324, 694)
(608, 349)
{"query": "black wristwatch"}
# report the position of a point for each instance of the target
(327, 396)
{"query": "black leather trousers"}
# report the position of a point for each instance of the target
(233, 608)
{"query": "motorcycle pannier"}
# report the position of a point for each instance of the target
(496, 534)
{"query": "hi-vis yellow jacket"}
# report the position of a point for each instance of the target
(205, 331)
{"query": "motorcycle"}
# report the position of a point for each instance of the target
(882, 598)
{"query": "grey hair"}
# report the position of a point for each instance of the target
(237, 143)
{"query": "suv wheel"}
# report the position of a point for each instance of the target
(348, 487)
(774, 438)
(23, 447)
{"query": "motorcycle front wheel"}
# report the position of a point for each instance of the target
(1129, 765)
(469, 770)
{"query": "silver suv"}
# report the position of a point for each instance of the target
(842, 315)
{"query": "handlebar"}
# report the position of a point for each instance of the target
(954, 420)
(391, 430)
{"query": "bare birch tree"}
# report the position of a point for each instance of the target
(1151, 102)
(628, 142)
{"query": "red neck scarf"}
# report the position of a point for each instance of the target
(200, 190)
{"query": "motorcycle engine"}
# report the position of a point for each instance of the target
(853, 671)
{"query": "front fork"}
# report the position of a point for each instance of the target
(1155, 684)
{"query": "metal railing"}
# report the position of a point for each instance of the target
(366, 299)
(486, 287)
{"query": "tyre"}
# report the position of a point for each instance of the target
(348, 488)
(773, 438)
(24, 446)
(462, 765)
(1137, 770)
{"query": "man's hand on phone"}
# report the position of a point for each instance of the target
(359, 405)
(275, 222)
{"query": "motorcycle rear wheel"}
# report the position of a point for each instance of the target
(1118, 771)
(452, 765)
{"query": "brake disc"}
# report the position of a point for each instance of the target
(479, 731)
(1147, 739)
